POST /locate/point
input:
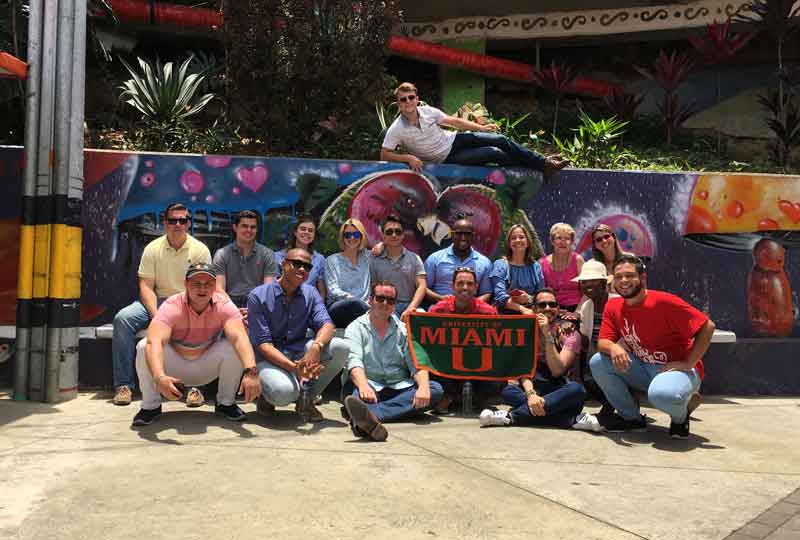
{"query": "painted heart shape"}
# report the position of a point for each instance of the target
(253, 179)
(790, 210)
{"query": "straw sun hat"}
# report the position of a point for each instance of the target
(593, 270)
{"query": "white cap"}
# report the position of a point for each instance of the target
(592, 269)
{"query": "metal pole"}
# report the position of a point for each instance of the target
(44, 211)
(27, 229)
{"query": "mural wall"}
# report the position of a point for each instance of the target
(727, 243)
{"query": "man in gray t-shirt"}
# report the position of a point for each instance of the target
(418, 130)
(400, 267)
(243, 264)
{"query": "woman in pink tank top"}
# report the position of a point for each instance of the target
(562, 266)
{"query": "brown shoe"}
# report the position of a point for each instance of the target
(364, 419)
(314, 415)
(264, 407)
(694, 402)
(194, 398)
(443, 407)
(552, 165)
(123, 396)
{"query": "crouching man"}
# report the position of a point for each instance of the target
(383, 381)
(183, 347)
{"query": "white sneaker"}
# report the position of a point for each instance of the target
(587, 422)
(489, 417)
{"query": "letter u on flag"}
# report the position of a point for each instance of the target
(487, 347)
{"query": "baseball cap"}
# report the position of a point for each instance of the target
(200, 268)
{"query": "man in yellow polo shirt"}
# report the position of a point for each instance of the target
(162, 272)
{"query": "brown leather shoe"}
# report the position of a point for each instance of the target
(314, 415)
(443, 407)
(553, 165)
(364, 419)
(694, 402)
(264, 407)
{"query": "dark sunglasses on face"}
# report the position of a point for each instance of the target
(393, 232)
(403, 99)
(300, 265)
(542, 305)
(602, 238)
(385, 299)
(176, 220)
(352, 234)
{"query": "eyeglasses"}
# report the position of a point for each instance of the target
(412, 97)
(602, 238)
(352, 234)
(385, 299)
(300, 265)
(543, 305)
(393, 232)
(176, 220)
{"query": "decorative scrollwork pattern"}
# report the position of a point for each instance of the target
(648, 16)
(493, 23)
(527, 24)
(607, 19)
(417, 31)
(461, 26)
(569, 22)
(692, 13)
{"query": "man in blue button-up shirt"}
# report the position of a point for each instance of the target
(279, 315)
(384, 383)
(440, 265)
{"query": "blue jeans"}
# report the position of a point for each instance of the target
(668, 392)
(481, 148)
(395, 405)
(128, 322)
(346, 310)
(280, 388)
(563, 401)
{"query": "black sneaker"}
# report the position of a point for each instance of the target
(145, 417)
(679, 431)
(618, 424)
(231, 412)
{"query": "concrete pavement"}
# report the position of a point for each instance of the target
(78, 470)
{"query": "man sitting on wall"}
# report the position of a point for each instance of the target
(462, 302)
(244, 264)
(184, 346)
(383, 381)
(161, 275)
(664, 339)
(279, 314)
(419, 131)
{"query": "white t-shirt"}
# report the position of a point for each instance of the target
(428, 142)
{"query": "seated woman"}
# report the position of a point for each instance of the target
(347, 275)
(303, 235)
(561, 266)
(516, 272)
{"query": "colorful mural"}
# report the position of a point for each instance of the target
(727, 243)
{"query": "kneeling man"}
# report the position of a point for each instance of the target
(184, 347)
(384, 383)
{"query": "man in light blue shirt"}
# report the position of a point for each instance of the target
(380, 376)
(439, 266)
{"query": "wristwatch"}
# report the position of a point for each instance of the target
(251, 371)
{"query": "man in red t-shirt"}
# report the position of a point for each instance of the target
(464, 302)
(652, 341)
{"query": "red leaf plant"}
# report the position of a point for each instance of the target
(558, 79)
(669, 71)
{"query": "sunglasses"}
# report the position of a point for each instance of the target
(390, 300)
(352, 234)
(602, 238)
(404, 99)
(300, 265)
(176, 220)
(393, 232)
(543, 305)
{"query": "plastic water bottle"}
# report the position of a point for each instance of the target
(305, 401)
(466, 398)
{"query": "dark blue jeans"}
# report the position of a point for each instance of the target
(395, 405)
(563, 401)
(346, 310)
(482, 148)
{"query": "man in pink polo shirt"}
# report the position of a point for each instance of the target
(184, 345)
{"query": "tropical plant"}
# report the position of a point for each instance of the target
(669, 71)
(778, 19)
(474, 112)
(595, 143)
(166, 99)
(623, 105)
(717, 46)
(512, 128)
(558, 80)
(783, 119)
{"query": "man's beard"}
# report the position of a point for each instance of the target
(631, 292)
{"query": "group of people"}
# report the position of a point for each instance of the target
(264, 324)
